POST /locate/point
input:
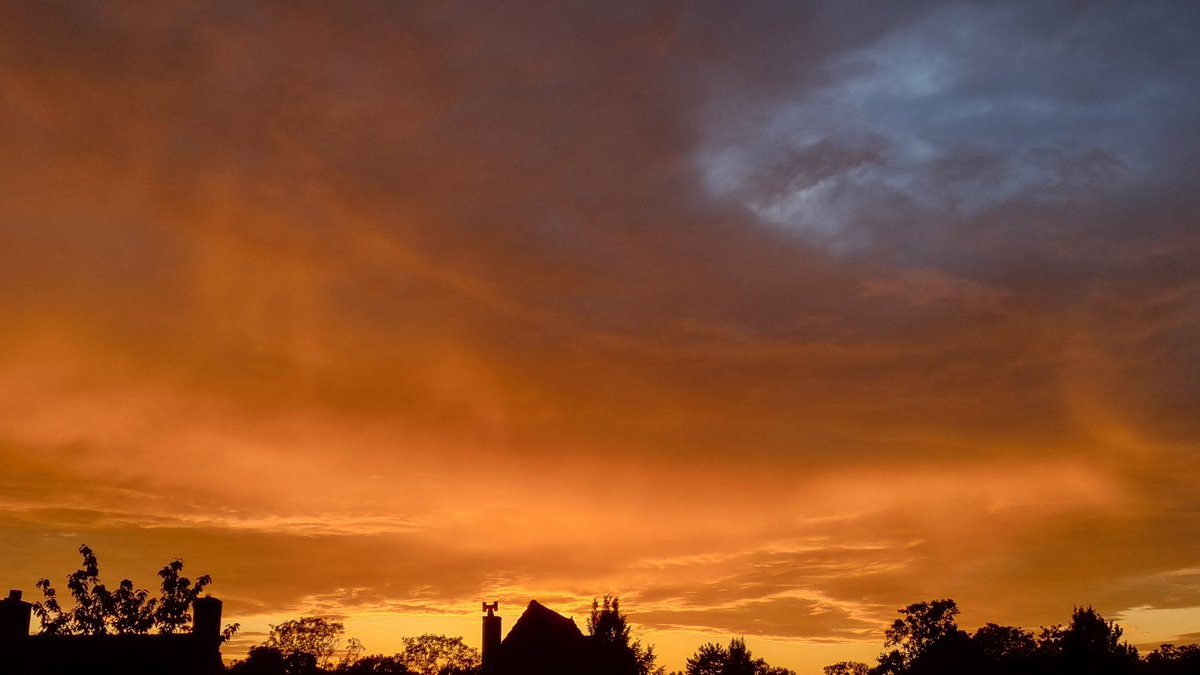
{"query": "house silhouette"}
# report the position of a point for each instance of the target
(194, 653)
(541, 642)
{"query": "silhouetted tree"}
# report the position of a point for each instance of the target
(847, 668)
(890, 663)
(375, 664)
(260, 660)
(951, 655)
(178, 594)
(609, 631)
(714, 659)
(99, 611)
(927, 642)
(709, 659)
(922, 625)
(51, 615)
(1005, 648)
(1171, 660)
(1004, 643)
(92, 599)
(133, 609)
(312, 636)
(264, 660)
(1089, 645)
(430, 654)
(739, 661)
(354, 651)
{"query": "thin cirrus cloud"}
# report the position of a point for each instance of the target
(770, 320)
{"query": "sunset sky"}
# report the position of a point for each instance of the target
(770, 318)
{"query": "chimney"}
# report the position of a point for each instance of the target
(491, 637)
(14, 617)
(206, 617)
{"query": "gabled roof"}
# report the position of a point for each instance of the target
(544, 642)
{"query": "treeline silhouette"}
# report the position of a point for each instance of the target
(924, 640)
(312, 645)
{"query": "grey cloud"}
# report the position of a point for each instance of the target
(1006, 83)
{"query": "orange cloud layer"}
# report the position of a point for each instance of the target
(377, 311)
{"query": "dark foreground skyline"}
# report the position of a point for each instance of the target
(769, 319)
(132, 631)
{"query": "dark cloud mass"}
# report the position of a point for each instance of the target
(771, 318)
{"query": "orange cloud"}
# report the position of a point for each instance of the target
(377, 311)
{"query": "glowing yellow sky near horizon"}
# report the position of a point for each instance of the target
(377, 313)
